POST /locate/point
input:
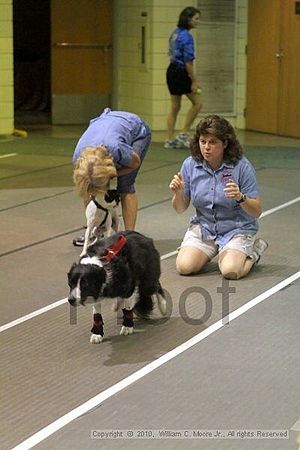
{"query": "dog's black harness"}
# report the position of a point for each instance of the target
(103, 209)
(110, 196)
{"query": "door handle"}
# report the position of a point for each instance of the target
(279, 54)
(88, 45)
(105, 47)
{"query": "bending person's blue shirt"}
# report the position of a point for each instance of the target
(119, 132)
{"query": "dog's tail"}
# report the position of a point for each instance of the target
(161, 300)
(160, 290)
(144, 306)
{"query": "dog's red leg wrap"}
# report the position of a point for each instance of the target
(97, 325)
(127, 317)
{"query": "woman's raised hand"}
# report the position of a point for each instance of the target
(177, 183)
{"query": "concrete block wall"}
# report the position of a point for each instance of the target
(139, 74)
(142, 88)
(6, 68)
(241, 63)
(133, 78)
(165, 18)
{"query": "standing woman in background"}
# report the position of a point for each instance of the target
(181, 78)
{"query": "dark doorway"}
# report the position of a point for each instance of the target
(32, 70)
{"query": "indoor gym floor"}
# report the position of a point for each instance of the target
(182, 374)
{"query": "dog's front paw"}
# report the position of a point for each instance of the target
(125, 331)
(96, 338)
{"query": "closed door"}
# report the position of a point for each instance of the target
(273, 67)
(81, 59)
(289, 69)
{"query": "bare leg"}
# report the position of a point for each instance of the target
(172, 116)
(234, 264)
(190, 260)
(192, 112)
(129, 209)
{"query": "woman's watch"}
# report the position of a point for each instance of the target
(242, 199)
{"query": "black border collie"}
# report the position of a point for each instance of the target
(125, 266)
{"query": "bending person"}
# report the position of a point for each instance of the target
(114, 145)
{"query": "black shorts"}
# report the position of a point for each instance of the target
(178, 80)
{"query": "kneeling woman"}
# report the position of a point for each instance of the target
(221, 184)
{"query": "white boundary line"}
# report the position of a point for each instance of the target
(113, 390)
(36, 313)
(33, 314)
(277, 208)
(296, 426)
(168, 255)
(8, 155)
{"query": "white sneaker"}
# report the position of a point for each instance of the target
(173, 143)
(184, 139)
(259, 246)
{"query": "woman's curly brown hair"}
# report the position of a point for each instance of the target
(220, 128)
(93, 172)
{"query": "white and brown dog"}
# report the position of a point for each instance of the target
(125, 266)
(102, 216)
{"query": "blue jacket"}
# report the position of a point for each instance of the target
(181, 47)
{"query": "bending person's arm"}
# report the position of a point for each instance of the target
(133, 165)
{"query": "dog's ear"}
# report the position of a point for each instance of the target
(112, 195)
(72, 267)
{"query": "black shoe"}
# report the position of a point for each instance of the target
(79, 241)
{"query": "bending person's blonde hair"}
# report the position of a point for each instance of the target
(93, 172)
